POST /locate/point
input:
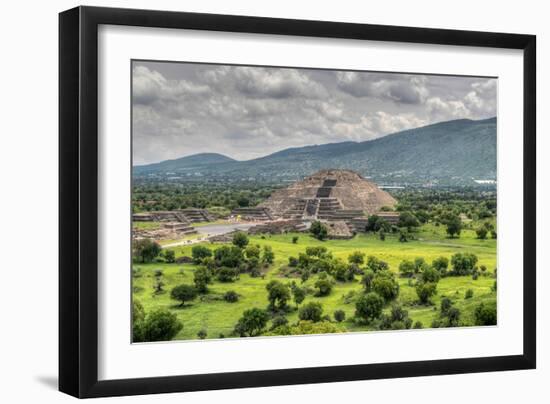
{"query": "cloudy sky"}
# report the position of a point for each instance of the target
(181, 109)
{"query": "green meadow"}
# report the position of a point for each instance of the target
(210, 312)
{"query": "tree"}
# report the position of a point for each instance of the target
(294, 239)
(454, 226)
(481, 233)
(453, 317)
(278, 295)
(227, 256)
(382, 235)
(425, 291)
(252, 252)
(299, 294)
(385, 285)
(318, 230)
(369, 306)
(368, 277)
(408, 220)
(170, 256)
(463, 263)
(357, 258)
(376, 265)
(429, 274)
(200, 252)
(469, 294)
(268, 255)
(146, 250)
(183, 293)
(240, 239)
(202, 334)
(202, 278)
(138, 317)
(339, 316)
(226, 274)
(440, 264)
(312, 311)
(446, 304)
(485, 314)
(252, 322)
(324, 286)
(407, 268)
(159, 325)
(231, 296)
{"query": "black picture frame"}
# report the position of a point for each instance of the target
(78, 201)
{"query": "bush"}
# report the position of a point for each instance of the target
(227, 274)
(227, 256)
(357, 258)
(252, 252)
(268, 256)
(453, 317)
(231, 296)
(406, 268)
(425, 291)
(278, 321)
(312, 311)
(369, 307)
(252, 323)
(170, 256)
(454, 226)
(295, 240)
(159, 325)
(318, 230)
(418, 325)
(440, 264)
(299, 294)
(184, 293)
(202, 278)
(429, 275)
(385, 286)
(481, 233)
(324, 286)
(240, 239)
(463, 263)
(376, 264)
(408, 220)
(485, 314)
(446, 304)
(339, 316)
(292, 262)
(200, 252)
(202, 334)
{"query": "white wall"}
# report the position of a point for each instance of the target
(28, 167)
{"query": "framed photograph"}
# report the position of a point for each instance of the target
(251, 201)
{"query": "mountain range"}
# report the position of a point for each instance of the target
(457, 152)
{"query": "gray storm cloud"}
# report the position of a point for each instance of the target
(245, 112)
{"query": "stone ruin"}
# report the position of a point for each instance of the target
(253, 214)
(329, 195)
(167, 231)
(188, 215)
(278, 227)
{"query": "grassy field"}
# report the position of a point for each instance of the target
(211, 313)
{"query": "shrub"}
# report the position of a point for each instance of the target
(202, 278)
(278, 321)
(356, 257)
(369, 307)
(227, 274)
(418, 325)
(453, 317)
(463, 263)
(324, 286)
(295, 240)
(382, 235)
(481, 233)
(406, 268)
(318, 230)
(231, 296)
(299, 294)
(268, 256)
(408, 220)
(440, 264)
(202, 334)
(425, 291)
(159, 325)
(227, 256)
(485, 314)
(292, 262)
(376, 264)
(240, 239)
(312, 311)
(367, 280)
(252, 322)
(385, 286)
(339, 315)
(454, 226)
(446, 304)
(252, 252)
(170, 256)
(429, 275)
(200, 252)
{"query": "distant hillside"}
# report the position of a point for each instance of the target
(188, 163)
(448, 153)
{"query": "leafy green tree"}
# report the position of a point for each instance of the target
(268, 255)
(138, 317)
(159, 325)
(425, 291)
(146, 250)
(385, 285)
(463, 263)
(279, 321)
(469, 294)
(201, 279)
(429, 274)
(324, 287)
(227, 256)
(440, 264)
(369, 306)
(252, 322)
(312, 311)
(240, 239)
(407, 268)
(481, 233)
(199, 253)
(170, 256)
(382, 235)
(318, 230)
(202, 334)
(368, 278)
(278, 295)
(183, 293)
(454, 226)
(294, 239)
(339, 316)
(446, 304)
(357, 258)
(252, 252)
(485, 314)
(226, 274)
(453, 317)
(408, 220)
(376, 264)
(299, 294)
